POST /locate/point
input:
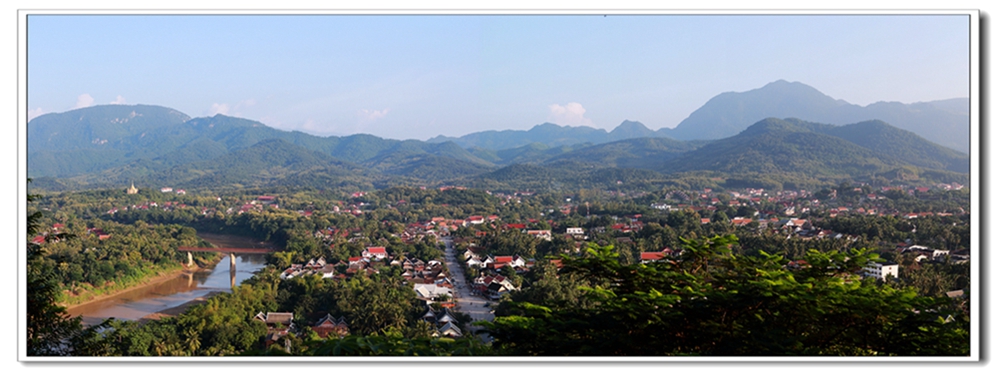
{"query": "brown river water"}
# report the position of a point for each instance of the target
(140, 302)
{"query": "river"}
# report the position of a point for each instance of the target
(142, 301)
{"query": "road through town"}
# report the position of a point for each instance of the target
(475, 306)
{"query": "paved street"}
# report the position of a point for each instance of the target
(466, 303)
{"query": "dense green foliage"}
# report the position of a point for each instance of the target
(711, 302)
(87, 265)
(224, 325)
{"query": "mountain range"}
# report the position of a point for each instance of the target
(110, 146)
(946, 122)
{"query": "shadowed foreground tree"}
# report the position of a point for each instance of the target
(51, 331)
(710, 302)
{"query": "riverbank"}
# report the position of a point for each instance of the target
(217, 240)
(177, 310)
(172, 291)
(155, 280)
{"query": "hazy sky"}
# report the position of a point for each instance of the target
(420, 76)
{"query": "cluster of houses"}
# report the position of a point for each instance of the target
(366, 263)
(419, 272)
(491, 284)
(790, 203)
(256, 205)
(279, 324)
(430, 280)
(313, 267)
(472, 258)
(928, 254)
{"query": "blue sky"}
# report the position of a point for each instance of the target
(417, 77)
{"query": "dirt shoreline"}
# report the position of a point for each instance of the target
(158, 279)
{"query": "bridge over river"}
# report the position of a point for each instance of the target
(229, 244)
(167, 295)
(225, 249)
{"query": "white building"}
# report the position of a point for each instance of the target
(881, 271)
(430, 292)
(540, 233)
(661, 206)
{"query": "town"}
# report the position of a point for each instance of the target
(462, 252)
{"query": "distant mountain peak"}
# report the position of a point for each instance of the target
(781, 82)
(630, 129)
(727, 114)
(629, 125)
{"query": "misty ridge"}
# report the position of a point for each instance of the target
(782, 128)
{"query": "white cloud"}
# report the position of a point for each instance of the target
(120, 100)
(371, 115)
(310, 125)
(84, 100)
(35, 113)
(218, 108)
(572, 114)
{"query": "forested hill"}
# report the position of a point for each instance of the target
(90, 140)
(112, 146)
(944, 122)
(770, 153)
(796, 146)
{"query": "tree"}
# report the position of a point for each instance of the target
(711, 302)
(51, 331)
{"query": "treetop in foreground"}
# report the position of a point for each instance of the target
(710, 302)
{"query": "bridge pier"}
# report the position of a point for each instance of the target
(190, 260)
(231, 274)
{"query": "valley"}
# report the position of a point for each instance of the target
(762, 231)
